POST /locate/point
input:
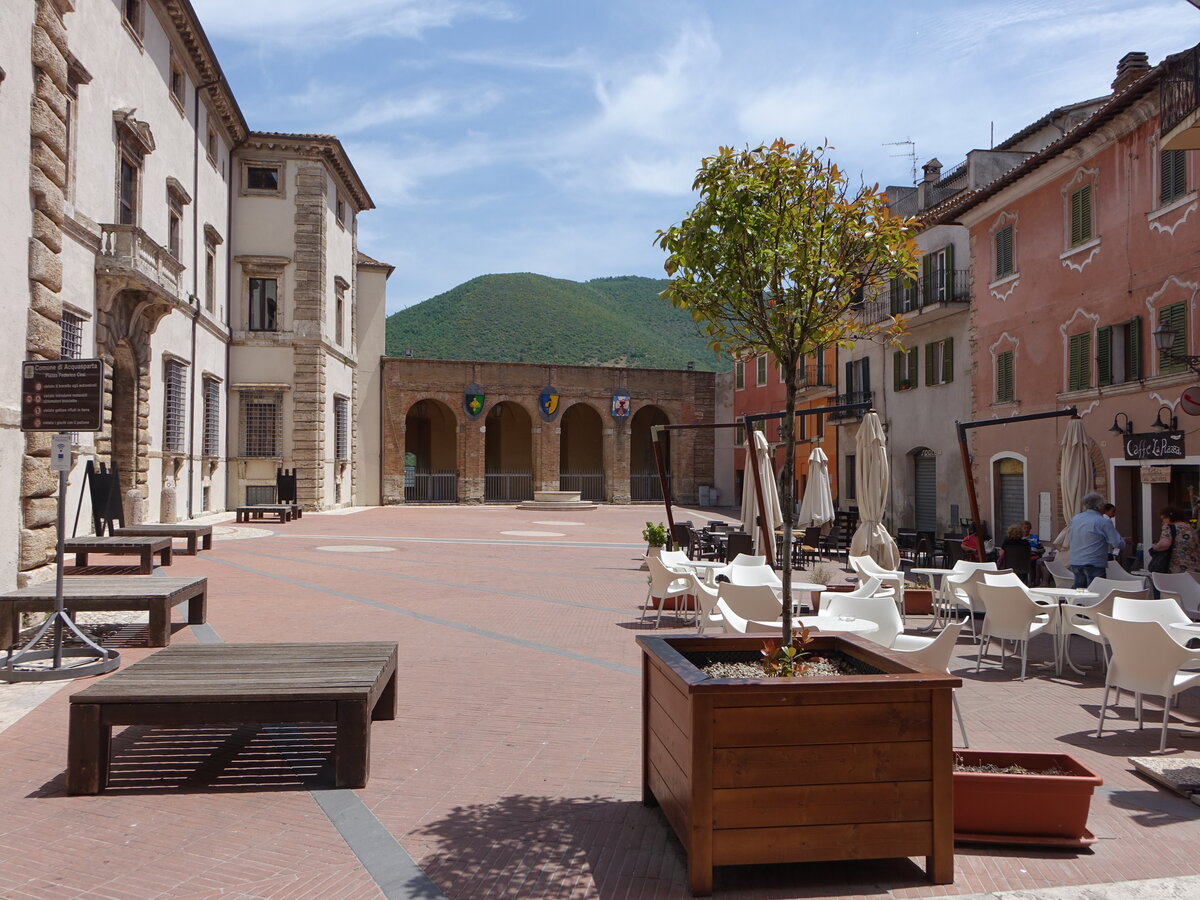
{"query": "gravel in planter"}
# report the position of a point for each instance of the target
(748, 664)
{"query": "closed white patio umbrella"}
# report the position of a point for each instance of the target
(758, 455)
(871, 466)
(817, 506)
(1076, 475)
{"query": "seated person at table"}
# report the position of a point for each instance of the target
(970, 546)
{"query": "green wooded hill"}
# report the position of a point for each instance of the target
(523, 317)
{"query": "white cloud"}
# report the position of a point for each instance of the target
(394, 175)
(320, 22)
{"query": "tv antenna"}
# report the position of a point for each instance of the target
(911, 153)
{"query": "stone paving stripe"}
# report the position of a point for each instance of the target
(384, 858)
(453, 584)
(586, 545)
(386, 861)
(434, 620)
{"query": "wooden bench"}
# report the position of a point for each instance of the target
(284, 511)
(144, 547)
(199, 537)
(236, 684)
(100, 593)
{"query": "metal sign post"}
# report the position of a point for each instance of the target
(60, 395)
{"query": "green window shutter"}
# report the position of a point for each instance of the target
(1172, 175)
(1081, 216)
(930, 358)
(1175, 318)
(926, 279)
(1104, 375)
(1133, 352)
(894, 296)
(1004, 385)
(848, 388)
(947, 360)
(897, 361)
(1003, 251)
(914, 369)
(1079, 374)
(739, 375)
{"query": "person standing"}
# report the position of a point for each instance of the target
(1092, 537)
(1178, 536)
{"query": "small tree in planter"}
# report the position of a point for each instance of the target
(655, 537)
(776, 258)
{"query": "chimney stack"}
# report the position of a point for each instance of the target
(932, 170)
(1131, 67)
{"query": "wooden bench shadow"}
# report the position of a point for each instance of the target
(216, 759)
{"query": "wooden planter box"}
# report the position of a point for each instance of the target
(771, 770)
(1050, 810)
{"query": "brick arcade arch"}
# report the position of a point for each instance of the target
(581, 452)
(508, 454)
(643, 471)
(430, 453)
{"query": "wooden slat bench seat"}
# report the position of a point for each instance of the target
(144, 547)
(239, 684)
(108, 592)
(285, 512)
(199, 537)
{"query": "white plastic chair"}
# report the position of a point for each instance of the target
(754, 603)
(706, 604)
(1118, 572)
(1166, 611)
(752, 576)
(960, 589)
(1180, 587)
(736, 624)
(869, 588)
(675, 560)
(745, 559)
(1060, 572)
(866, 567)
(1004, 579)
(1080, 620)
(936, 654)
(879, 608)
(664, 585)
(1146, 660)
(1010, 615)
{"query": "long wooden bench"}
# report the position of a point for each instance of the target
(199, 537)
(285, 512)
(143, 547)
(103, 593)
(227, 684)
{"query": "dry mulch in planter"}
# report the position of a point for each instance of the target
(748, 664)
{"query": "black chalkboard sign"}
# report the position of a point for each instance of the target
(1163, 445)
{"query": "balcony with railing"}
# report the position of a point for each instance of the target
(862, 400)
(945, 292)
(128, 253)
(815, 376)
(1179, 96)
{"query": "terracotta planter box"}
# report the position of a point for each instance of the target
(918, 601)
(1023, 809)
(771, 770)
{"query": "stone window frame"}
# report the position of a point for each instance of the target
(212, 239)
(134, 142)
(76, 75)
(211, 141)
(1002, 284)
(339, 210)
(341, 428)
(177, 199)
(177, 83)
(1008, 345)
(245, 164)
(133, 17)
(760, 370)
(210, 440)
(1079, 250)
(266, 396)
(340, 286)
(263, 267)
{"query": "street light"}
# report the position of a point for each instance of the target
(1164, 340)
(1172, 425)
(1117, 429)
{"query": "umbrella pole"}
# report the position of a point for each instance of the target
(663, 481)
(768, 538)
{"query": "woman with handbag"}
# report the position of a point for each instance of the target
(1177, 549)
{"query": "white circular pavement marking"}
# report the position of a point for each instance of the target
(559, 523)
(534, 533)
(356, 548)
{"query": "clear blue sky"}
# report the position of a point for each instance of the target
(556, 136)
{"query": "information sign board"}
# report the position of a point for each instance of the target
(1168, 445)
(62, 395)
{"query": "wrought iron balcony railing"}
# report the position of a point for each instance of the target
(912, 296)
(1179, 89)
(862, 399)
(815, 376)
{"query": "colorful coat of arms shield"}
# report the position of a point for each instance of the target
(620, 405)
(473, 399)
(548, 401)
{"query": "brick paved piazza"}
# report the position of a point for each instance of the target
(513, 767)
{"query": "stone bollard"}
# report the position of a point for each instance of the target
(135, 504)
(167, 504)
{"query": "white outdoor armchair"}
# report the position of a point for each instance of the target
(869, 588)
(756, 603)
(1146, 660)
(1060, 572)
(936, 654)
(879, 608)
(866, 567)
(1010, 615)
(706, 604)
(664, 585)
(1180, 587)
(1080, 621)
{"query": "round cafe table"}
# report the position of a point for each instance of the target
(845, 624)
(806, 588)
(934, 576)
(706, 566)
(1065, 597)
